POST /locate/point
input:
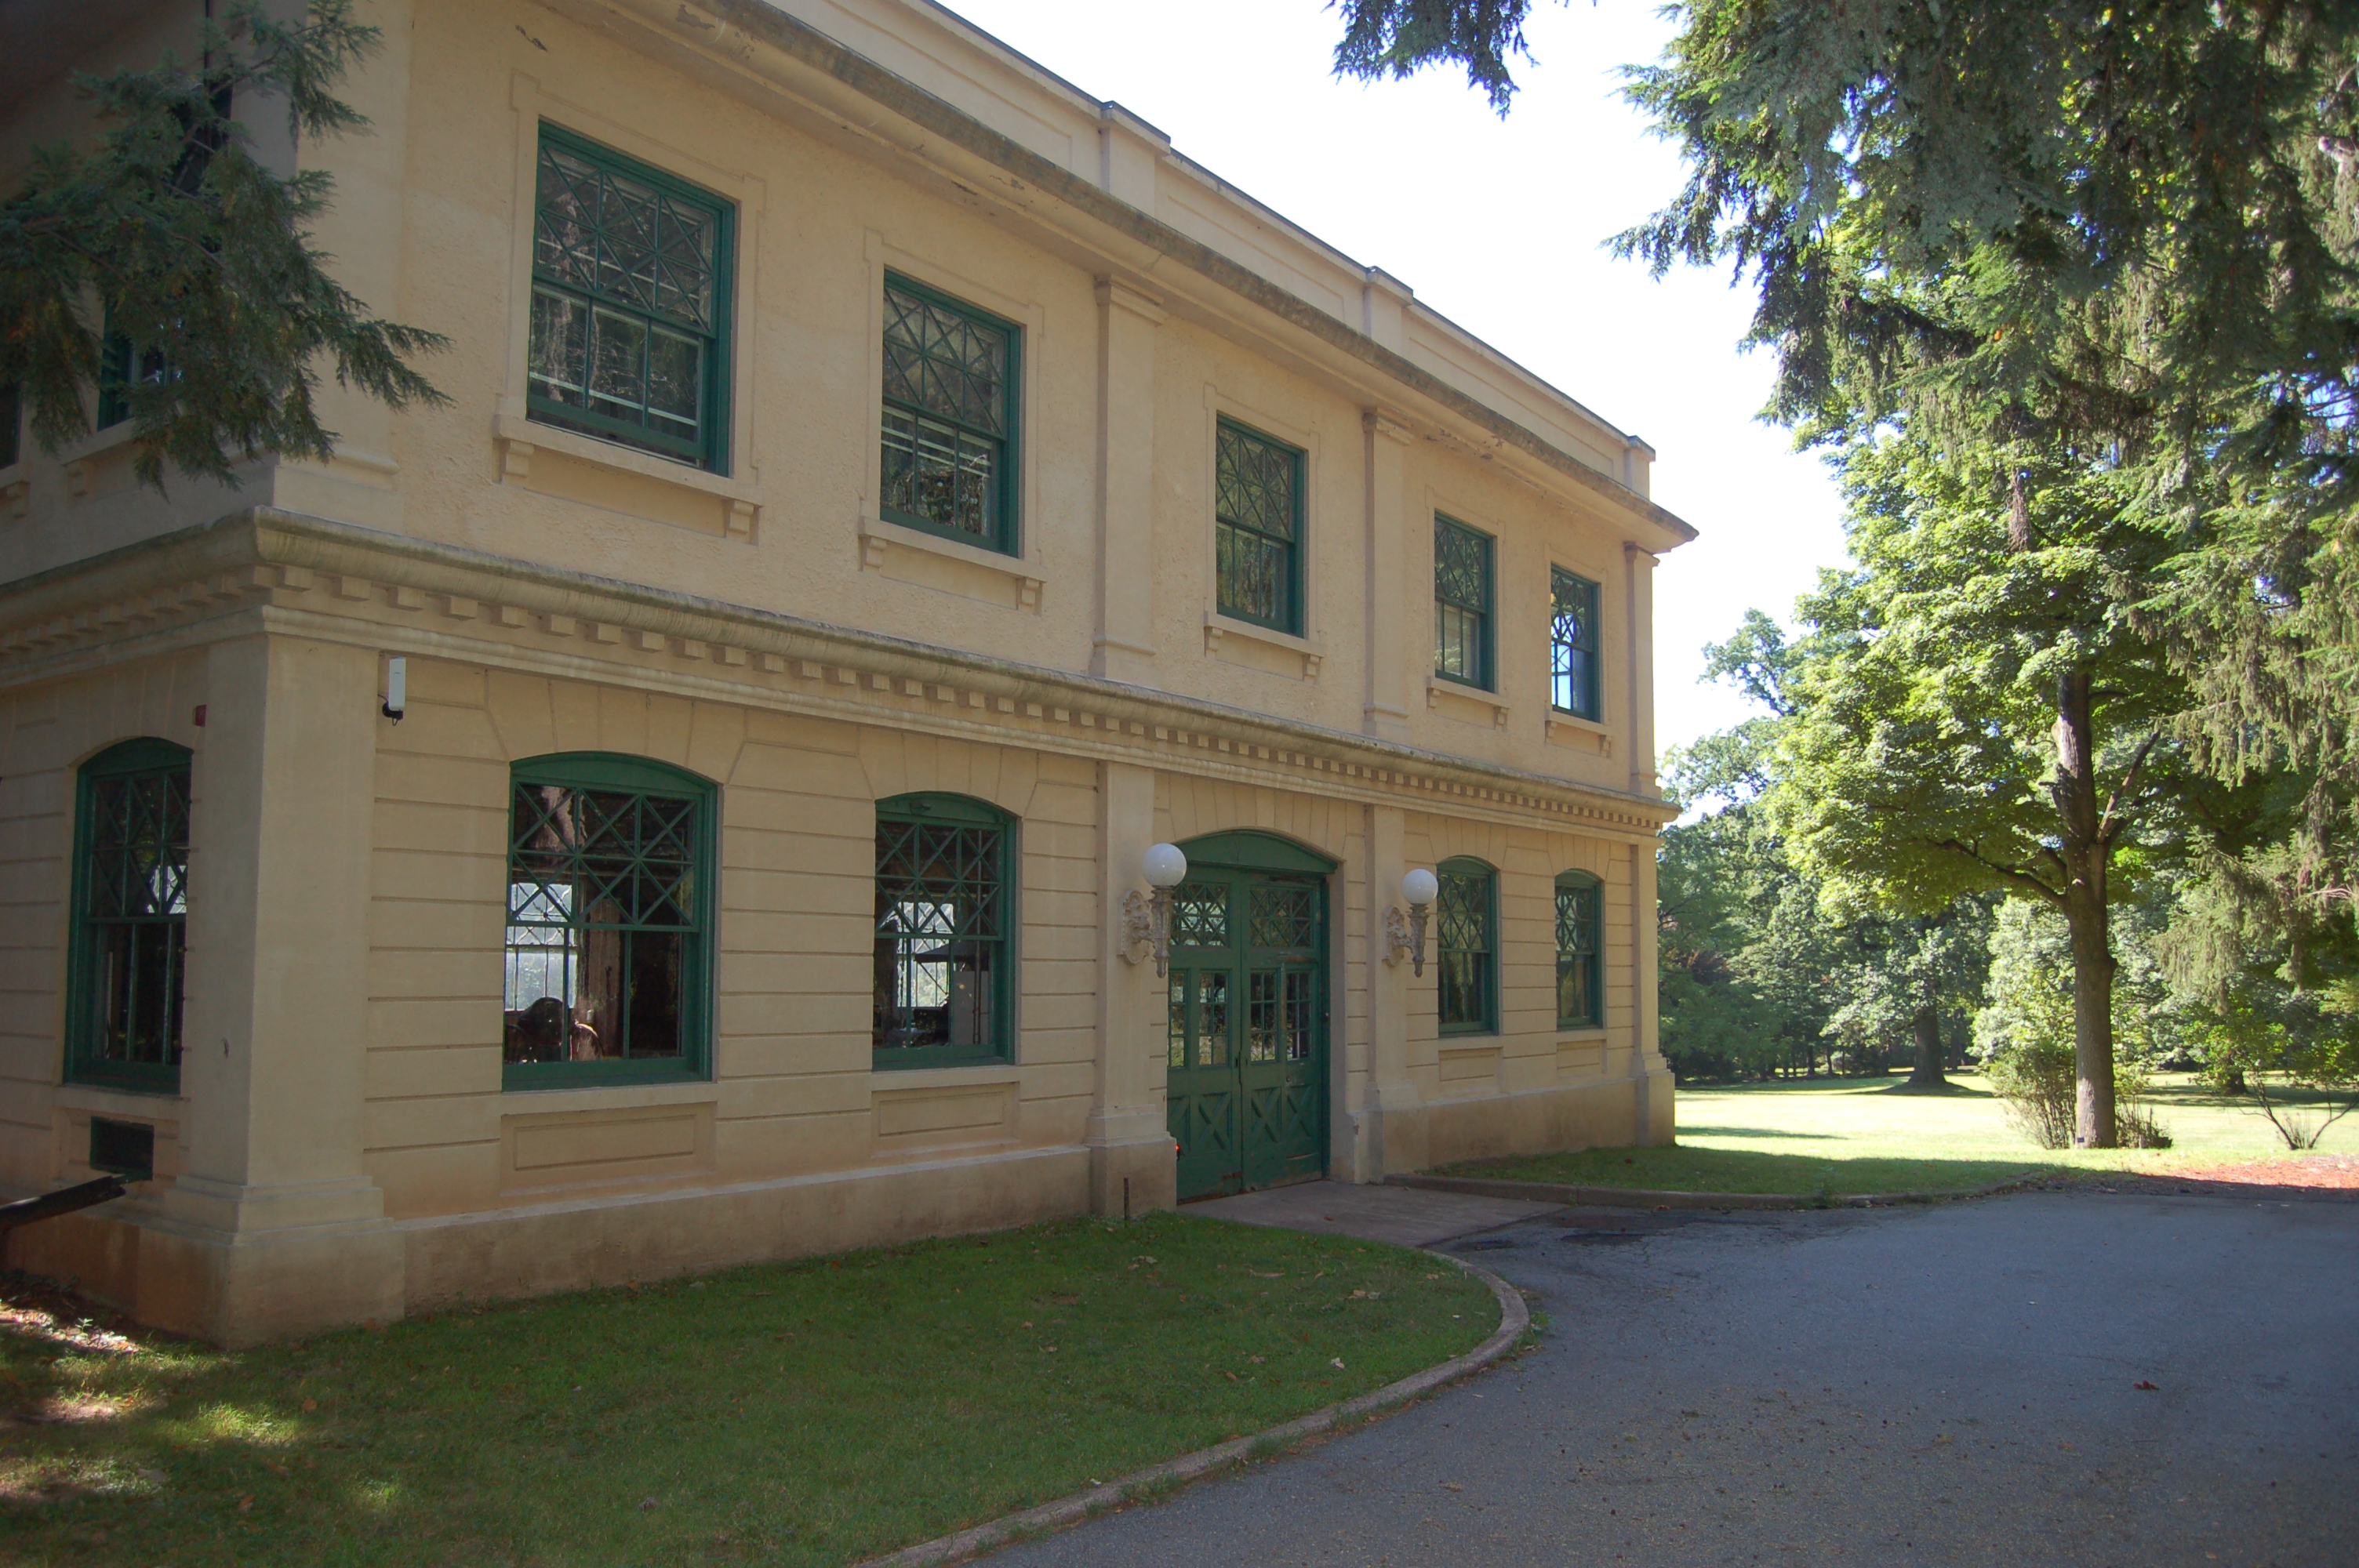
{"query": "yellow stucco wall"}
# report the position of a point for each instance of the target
(342, 1146)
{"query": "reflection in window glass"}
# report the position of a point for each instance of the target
(133, 936)
(602, 925)
(941, 945)
(1468, 977)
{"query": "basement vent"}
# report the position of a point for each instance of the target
(126, 1148)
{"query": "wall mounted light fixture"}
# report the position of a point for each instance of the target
(1147, 918)
(396, 688)
(1406, 935)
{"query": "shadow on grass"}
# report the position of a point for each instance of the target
(1946, 1087)
(1757, 1132)
(1680, 1168)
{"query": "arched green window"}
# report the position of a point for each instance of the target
(1580, 951)
(1467, 919)
(945, 928)
(123, 980)
(611, 922)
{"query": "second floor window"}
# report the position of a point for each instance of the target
(12, 419)
(1572, 645)
(630, 304)
(1257, 525)
(1461, 603)
(947, 463)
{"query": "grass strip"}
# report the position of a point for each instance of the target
(815, 1412)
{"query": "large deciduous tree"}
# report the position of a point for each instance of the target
(1977, 710)
(166, 233)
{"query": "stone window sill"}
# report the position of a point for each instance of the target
(116, 1102)
(1571, 728)
(519, 439)
(978, 1076)
(1440, 692)
(880, 537)
(1218, 627)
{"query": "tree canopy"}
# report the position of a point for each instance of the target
(196, 256)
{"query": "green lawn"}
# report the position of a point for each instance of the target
(812, 1412)
(1843, 1136)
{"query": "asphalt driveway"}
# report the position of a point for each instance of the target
(1956, 1384)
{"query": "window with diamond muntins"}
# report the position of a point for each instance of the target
(950, 417)
(1257, 526)
(629, 303)
(1465, 918)
(1461, 603)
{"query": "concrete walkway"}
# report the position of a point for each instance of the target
(1403, 1215)
(2065, 1378)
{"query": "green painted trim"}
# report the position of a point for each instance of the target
(1485, 653)
(711, 450)
(1011, 467)
(1467, 866)
(1297, 551)
(1588, 883)
(636, 775)
(1594, 710)
(1247, 849)
(127, 759)
(933, 806)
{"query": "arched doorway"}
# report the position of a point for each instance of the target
(1246, 1041)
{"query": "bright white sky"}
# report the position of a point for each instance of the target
(1496, 224)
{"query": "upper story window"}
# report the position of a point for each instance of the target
(1572, 645)
(1579, 980)
(610, 923)
(130, 917)
(12, 420)
(1258, 521)
(1467, 914)
(630, 304)
(952, 375)
(122, 364)
(943, 970)
(1461, 603)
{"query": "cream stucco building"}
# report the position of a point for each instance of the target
(882, 491)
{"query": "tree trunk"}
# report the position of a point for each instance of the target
(1928, 1027)
(2086, 852)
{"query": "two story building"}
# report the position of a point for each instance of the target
(681, 802)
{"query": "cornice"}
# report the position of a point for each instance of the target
(724, 33)
(266, 569)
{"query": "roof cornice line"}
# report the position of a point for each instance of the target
(937, 116)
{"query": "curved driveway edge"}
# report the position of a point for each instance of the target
(1515, 1317)
(1641, 1197)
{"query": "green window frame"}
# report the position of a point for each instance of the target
(126, 963)
(944, 956)
(12, 423)
(631, 303)
(611, 922)
(1572, 645)
(951, 432)
(1461, 602)
(1580, 951)
(122, 364)
(1257, 526)
(1466, 941)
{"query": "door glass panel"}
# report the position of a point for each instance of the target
(1282, 916)
(1200, 915)
(1297, 1022)
(1211, 1018)
(1177, 1031)
(1262, 1017)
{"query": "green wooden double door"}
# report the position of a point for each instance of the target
(1247, 1034)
